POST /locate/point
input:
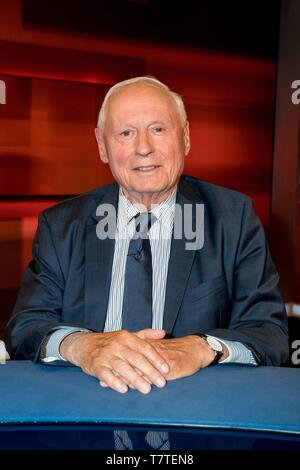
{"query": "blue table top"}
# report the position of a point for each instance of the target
(231, 397)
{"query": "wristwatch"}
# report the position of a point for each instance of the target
(215, 345)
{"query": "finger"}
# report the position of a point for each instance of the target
(152, 355)
(149, 333)
(129, 374)
(104, 384)
(133, 341)
(124, 380)
(144, 368)
(142, 375)
(111, 380)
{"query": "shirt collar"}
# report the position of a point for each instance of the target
(163, 212)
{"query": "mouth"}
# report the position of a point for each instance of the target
(146, 168)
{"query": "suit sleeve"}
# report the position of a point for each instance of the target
(258, 317)
(38, 308)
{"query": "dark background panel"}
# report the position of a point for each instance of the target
(245, 27)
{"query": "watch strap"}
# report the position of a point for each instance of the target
(218, 354)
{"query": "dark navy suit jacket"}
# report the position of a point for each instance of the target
(227, 289)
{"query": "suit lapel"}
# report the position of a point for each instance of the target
(181, 259)
(98, 267)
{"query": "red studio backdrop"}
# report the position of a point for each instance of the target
(55, 82)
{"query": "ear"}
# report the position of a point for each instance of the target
(186, 137)
(101, 145)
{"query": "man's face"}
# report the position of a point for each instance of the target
(144, 142)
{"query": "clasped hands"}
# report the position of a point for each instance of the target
(122, 360)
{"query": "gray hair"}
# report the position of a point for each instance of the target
(148, 80)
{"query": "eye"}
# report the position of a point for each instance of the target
(158, 130)
(126, 133)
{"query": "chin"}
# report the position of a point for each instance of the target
(147, 187)
(147, 191)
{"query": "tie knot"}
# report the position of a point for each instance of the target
(143, 223)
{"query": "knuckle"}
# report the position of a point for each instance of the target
(120, 341)
(139, 360)
(119, 365)
(148, 349)
(102, 372)
(124, 334)
(113, 380)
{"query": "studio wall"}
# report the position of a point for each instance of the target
(55, 82)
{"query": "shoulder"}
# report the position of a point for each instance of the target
(78, 207)
(213, 192)
(219, 199)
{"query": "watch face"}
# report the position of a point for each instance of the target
(214, 344)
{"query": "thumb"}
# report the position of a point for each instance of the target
(150, 333)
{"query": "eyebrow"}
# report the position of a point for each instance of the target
(157, 121)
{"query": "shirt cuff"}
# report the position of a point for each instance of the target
(52, 347)
(238, 353)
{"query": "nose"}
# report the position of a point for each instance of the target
(143, 144)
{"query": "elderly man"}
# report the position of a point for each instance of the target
(136, 311)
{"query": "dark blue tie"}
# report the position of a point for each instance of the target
(137, 299)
